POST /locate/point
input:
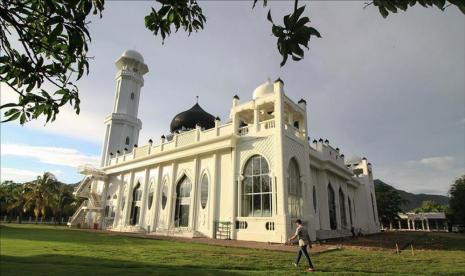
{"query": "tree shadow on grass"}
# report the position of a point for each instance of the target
(49, 234)
(50, 264)
(420, 240)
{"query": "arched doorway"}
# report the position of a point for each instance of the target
(183, 201)
(342, 208)
(135, 206)
(332, 208)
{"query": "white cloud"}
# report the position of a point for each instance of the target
(86, 126)
(439, 162)
(18, 175)
(50, 155)
(427, 175)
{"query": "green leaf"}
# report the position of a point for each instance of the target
(269, 16)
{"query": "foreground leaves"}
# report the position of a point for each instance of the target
(44, 43)
(293, 35)
(175, 14)
(392, 6)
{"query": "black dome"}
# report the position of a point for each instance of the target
(192, 117)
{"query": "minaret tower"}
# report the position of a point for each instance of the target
(122, 125)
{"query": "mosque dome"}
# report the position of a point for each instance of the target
(263, 90)
(134, 55)
(355, 159)
(192, 117)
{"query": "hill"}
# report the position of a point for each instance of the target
(415, 200)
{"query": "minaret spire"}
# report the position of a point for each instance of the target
(123, 126)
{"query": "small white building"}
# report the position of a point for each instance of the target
(247, 178)
(429, 221)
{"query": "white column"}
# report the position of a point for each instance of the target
(157, 198)
(213, 195)
(291, 118)
(103, 204)
(118, 212)
(127, 206)
(427, 224)
(171, 196)
(255, 118)
(282, 212)
(143, 207)
(234, 187)
(194, 196)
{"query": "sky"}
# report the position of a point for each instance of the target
(392, 89)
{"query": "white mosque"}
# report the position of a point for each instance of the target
(247, 178)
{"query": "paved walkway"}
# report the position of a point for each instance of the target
(316, 248)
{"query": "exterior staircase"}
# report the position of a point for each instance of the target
(84, 190)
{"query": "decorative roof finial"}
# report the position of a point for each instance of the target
(197, 100)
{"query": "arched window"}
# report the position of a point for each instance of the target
(204, 191)
(150, 198)
(132, 96)
(164, 195)
(295, 201)
(350, 211)
(342, 208)
(183, 200)
(256, 188)
(332, 208)
(127, 141)
(314, 198)
(135, 205)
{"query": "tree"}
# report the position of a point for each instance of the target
(430, 206)
(12, 199)
(62, 196)
(389, 203)
(457, 200)
(38, 194)
(54, 37)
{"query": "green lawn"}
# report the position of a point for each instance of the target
(49, 250)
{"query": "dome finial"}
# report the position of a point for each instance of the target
(197, 99)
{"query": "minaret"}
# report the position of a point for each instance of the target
(122, 125)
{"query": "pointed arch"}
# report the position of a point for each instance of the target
(294, 185)
(256, 190)
(164, 192)
(332, 208)
(151, 192)
(183, 201)
(135, 204)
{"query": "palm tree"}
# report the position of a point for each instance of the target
(12, 198)
(63, 195)
(38, 194)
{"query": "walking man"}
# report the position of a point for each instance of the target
(301, 234)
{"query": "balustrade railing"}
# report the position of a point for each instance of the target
(243, 131)
(267, 124)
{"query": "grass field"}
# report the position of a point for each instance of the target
(49, 250)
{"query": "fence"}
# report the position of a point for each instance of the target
(31, 220)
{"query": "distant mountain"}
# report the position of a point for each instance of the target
(415, 200)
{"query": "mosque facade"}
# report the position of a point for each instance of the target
(247, 178)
